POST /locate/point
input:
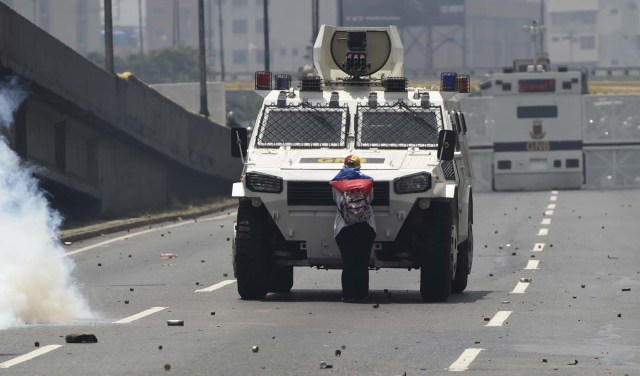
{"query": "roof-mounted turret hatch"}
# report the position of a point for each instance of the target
(350, 52)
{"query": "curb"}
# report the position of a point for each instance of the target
(79, 234)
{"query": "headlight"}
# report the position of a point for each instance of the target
(257, 182)
(420, 182)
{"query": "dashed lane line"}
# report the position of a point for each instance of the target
(499, 318)
(548, 212)
(134, 234)
(554, 192)
(520, 288)
(551, 206)
(553, 198)
(543, 231)
(465, 360)
(217, 286)
(538, 247)
(532, 265)
(140, 315)
(28, 356)
(546, 221)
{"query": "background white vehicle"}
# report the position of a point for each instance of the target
(537, 129)
(410, 140)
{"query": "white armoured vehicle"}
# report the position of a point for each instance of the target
(410, 140)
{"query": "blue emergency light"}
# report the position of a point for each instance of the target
(449, 81)
(283, 81)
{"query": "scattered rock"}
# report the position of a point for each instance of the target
(228, 239)
(343, 347)
(167, 367)
(175, 322)
(583, 286)
(213, 313)
(131, 289)
(255, 349)
(490, 274)
(376, 305)
(544, 360)
(324, 365)
(126, 302)
(224, 274)
(487, 319)
(619, 314)
(80, 338)
(513, 254)
(37, 344)
(574, 363)
(99, 264)
(338, 352)
(526, 280)
(160, 347)
(202, 261)
(627, 289)
(197, 283)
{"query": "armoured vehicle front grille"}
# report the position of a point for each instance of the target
(318, 193)
(447, 168)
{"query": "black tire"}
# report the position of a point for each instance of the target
(281, 278)
(435, 270)
(465, 254)
(251, 258)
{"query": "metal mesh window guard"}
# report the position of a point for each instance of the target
(397, 125)
(303, 125)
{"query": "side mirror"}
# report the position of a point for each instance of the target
(446, 144)
(238, 142)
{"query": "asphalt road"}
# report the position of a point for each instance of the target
(576, 251)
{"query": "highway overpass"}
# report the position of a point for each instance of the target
(106, 144)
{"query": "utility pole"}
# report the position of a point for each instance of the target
(266, 34)
(542, 53)
(314, 21)
(176, 23)
(141, 37)
(204, 111)
(209, 29)
(108, 36)
(221, 40)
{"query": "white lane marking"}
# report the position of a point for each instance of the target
(553, 198)
(499, 318)
(217, 286)
(546, 221)
(464, 361)
(140, 315)
(554, 192)
(548, 212)
(532, 265)
(29, 356)
(520, 288)
(134, 234)
(551, 206)
(538, 247)
(543, 232)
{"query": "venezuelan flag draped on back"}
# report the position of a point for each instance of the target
(352, 178)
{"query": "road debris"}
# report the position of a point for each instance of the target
(175, 322)
(324, 365)
(338, 352)
(80, 338)
(167, 256)
(627, 289)
(255, 349)
(574, 363)
(526, 280)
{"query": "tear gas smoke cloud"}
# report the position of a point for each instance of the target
(35, 276)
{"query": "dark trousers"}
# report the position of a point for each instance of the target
(355, 244)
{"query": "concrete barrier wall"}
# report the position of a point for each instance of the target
(127, 105)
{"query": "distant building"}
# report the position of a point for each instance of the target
(76, 23)
(603, 33)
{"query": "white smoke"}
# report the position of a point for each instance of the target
(35, 275)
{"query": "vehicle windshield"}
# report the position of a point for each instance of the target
(303, 126)
(398, 126)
